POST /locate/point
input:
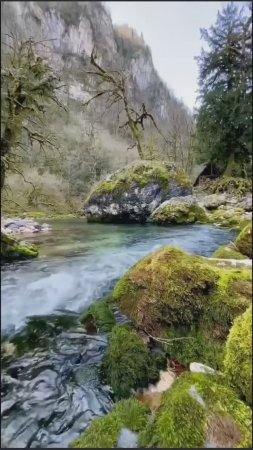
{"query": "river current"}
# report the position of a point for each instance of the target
(50, 395)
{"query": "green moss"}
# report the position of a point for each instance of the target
(128, 364)
(199, 345)
(12, 249)
(244, 241)
(184, 422)
(39, 330)
(226, 219)
(232, 185)
(228, 252)
(99, 318)
(172, 294)
(104, 432)
(141, 174)
(179, 213)
(238, 358)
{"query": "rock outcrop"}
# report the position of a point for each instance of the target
(130, 195)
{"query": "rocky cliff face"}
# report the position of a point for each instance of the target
(72, 29)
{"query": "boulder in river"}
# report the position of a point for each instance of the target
(131, 194)
(179, 210)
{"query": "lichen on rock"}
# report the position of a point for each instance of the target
(131, 194)
(238, 357)
(12, 249)
(179, 210)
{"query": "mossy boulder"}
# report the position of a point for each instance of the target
(173, 294)
(199, 411)
(98, 318)
(234, 218)
(228, 251)
(238, 358)
(244, 241)
(128, 363)
(131, 194)
(12, 249)
(180, 210)
(104, 432)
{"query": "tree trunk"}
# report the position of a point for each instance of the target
(230, 165)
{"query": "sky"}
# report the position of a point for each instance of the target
(172, 31)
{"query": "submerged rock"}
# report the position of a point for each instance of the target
(131, 194)
(180, 210)
(13, 249)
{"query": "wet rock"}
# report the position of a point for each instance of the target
(22, 226)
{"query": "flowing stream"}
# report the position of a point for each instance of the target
(53, 392)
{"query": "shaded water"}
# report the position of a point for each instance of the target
(51, 395)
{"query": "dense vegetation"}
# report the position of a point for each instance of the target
(224, 120)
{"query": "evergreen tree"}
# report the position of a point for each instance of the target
(224, 120)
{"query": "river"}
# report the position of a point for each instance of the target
(50, 395)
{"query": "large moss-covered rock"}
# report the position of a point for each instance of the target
(173, 294)
(228, 251)
(131, 194)
(104, 432)
(199, 411)
(12, 249)
(244, 241)
(179, 210)
(128, 364)
(238, 358)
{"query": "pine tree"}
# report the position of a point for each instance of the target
(224, 120)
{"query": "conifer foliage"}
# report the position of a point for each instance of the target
(224, 120)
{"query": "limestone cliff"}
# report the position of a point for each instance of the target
(71, 29)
